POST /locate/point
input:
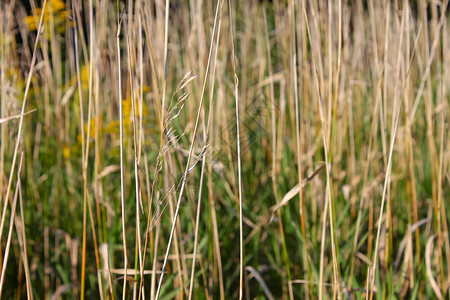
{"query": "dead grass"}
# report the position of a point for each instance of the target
(164, 146)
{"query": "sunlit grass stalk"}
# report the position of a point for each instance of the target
(140, 137)
(101, 214)
(92, 62)
(209, 154)
(446, 157)
(372, 273)
(133, 119)
(412, 176)
(206, 137)
(80, 96)
(333, 122)
(23, 238)
(236, 94)
(122, 196)
(2, 103)
(166, 39)
(302, 211)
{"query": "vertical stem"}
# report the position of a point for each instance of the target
(122, 198)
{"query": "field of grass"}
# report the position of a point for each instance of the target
(224, 149)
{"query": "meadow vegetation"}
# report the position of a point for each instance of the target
(224, 149)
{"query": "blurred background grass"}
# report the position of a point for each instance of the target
(318, 82)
